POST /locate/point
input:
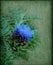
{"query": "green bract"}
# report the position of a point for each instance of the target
(10, 22)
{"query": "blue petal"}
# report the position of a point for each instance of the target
(24, 31)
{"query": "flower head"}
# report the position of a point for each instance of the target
(25, 31)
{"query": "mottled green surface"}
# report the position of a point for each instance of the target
(42, 54)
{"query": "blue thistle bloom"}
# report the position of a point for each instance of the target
(25, 31)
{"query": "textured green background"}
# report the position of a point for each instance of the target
(42, 54)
